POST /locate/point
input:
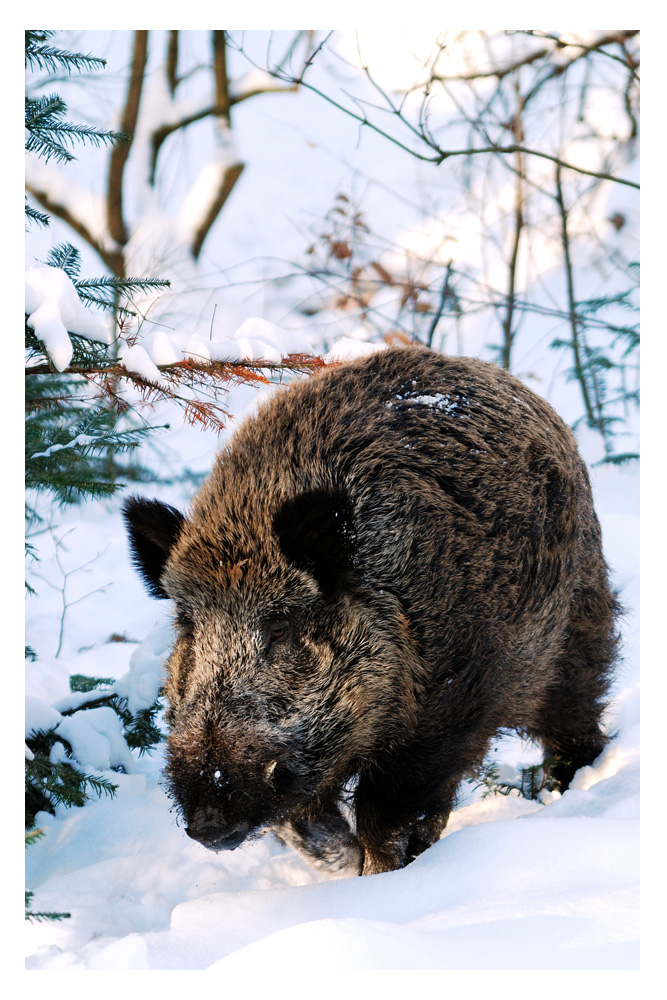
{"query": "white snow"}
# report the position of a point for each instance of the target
(80, 441)
(161, 349)
(96, 737)
(54, 310)
(137, 360)
(205, 188)
(285, 341)
(255, 340)
(96, 734)
(253, 82)
(141, 684)
(347, 348)
(39, 715)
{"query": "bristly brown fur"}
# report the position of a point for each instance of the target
(389, 563)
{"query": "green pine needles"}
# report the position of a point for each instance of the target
(48, 134)
(39, 55)
(72, 446)
(605, 367)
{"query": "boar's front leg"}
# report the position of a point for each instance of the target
(324, 836)
(394, 826)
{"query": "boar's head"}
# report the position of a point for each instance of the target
(280, 682)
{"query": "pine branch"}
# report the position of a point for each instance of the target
(67, 258)
(41, 218)
(50, 136)
(105, 292)
(221, 370)
(38, 55)
(114, 285)
(42, 915)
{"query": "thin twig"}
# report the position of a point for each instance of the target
(508, 334)
(441, 305)
(440, 155)
(574, 321)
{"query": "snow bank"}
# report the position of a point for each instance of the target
(95, 735)
(556, 889)
(142, 683)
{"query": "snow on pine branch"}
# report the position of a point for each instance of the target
(80, 441)
(55, 311)
(255, 340)
(96, 734)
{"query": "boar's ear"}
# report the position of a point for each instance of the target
(153, 528)
(316, 533)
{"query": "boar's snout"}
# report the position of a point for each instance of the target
(208, 826)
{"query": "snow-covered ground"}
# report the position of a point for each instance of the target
(512, 884)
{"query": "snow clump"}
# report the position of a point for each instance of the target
(54, 311)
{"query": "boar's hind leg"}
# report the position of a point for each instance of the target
(325, 838)
(568, 725)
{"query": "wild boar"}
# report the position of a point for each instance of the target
(389, 563)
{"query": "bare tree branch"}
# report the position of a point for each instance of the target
(222, 109)
(229, 179)
(444, 292)
(222, 113)
(508, 333)
(120, 153)
(573, 318)
(611, 38)
(171, 66)
(113, 259)
(438, 155)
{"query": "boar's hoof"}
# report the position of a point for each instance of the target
(207, 826)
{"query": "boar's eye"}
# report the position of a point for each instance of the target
(275, 632)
